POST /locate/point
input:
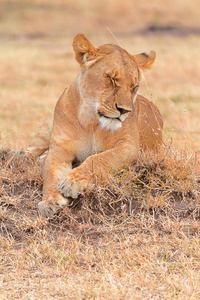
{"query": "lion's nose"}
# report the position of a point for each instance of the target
(122, 110)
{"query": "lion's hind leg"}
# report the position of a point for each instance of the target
(40, 142)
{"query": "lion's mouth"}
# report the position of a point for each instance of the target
(112, 118)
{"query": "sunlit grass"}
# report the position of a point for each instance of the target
(43, 69)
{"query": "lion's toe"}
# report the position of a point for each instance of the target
(46, 210)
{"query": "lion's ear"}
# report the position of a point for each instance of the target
(84, 50)
(145, 60)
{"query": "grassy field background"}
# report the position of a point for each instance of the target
(37, 60)
(148, 251)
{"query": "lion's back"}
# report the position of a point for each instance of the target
(150, 123)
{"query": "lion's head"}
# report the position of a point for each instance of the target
(108, 81)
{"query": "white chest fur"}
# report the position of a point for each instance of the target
(87, 148)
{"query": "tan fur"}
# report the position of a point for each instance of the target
(99, 120)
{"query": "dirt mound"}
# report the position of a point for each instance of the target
(160, 186)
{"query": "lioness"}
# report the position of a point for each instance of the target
(99, 121)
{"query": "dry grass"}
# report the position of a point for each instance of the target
(137, 235)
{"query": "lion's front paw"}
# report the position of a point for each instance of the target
(49, 208)
(76, 183)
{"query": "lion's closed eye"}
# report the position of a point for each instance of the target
(134, 89)
(113, 79)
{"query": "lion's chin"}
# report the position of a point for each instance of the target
(110, 124)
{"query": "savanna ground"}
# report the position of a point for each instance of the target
(137, 235)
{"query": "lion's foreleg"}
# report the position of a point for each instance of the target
(82, 178)
(56, 166)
